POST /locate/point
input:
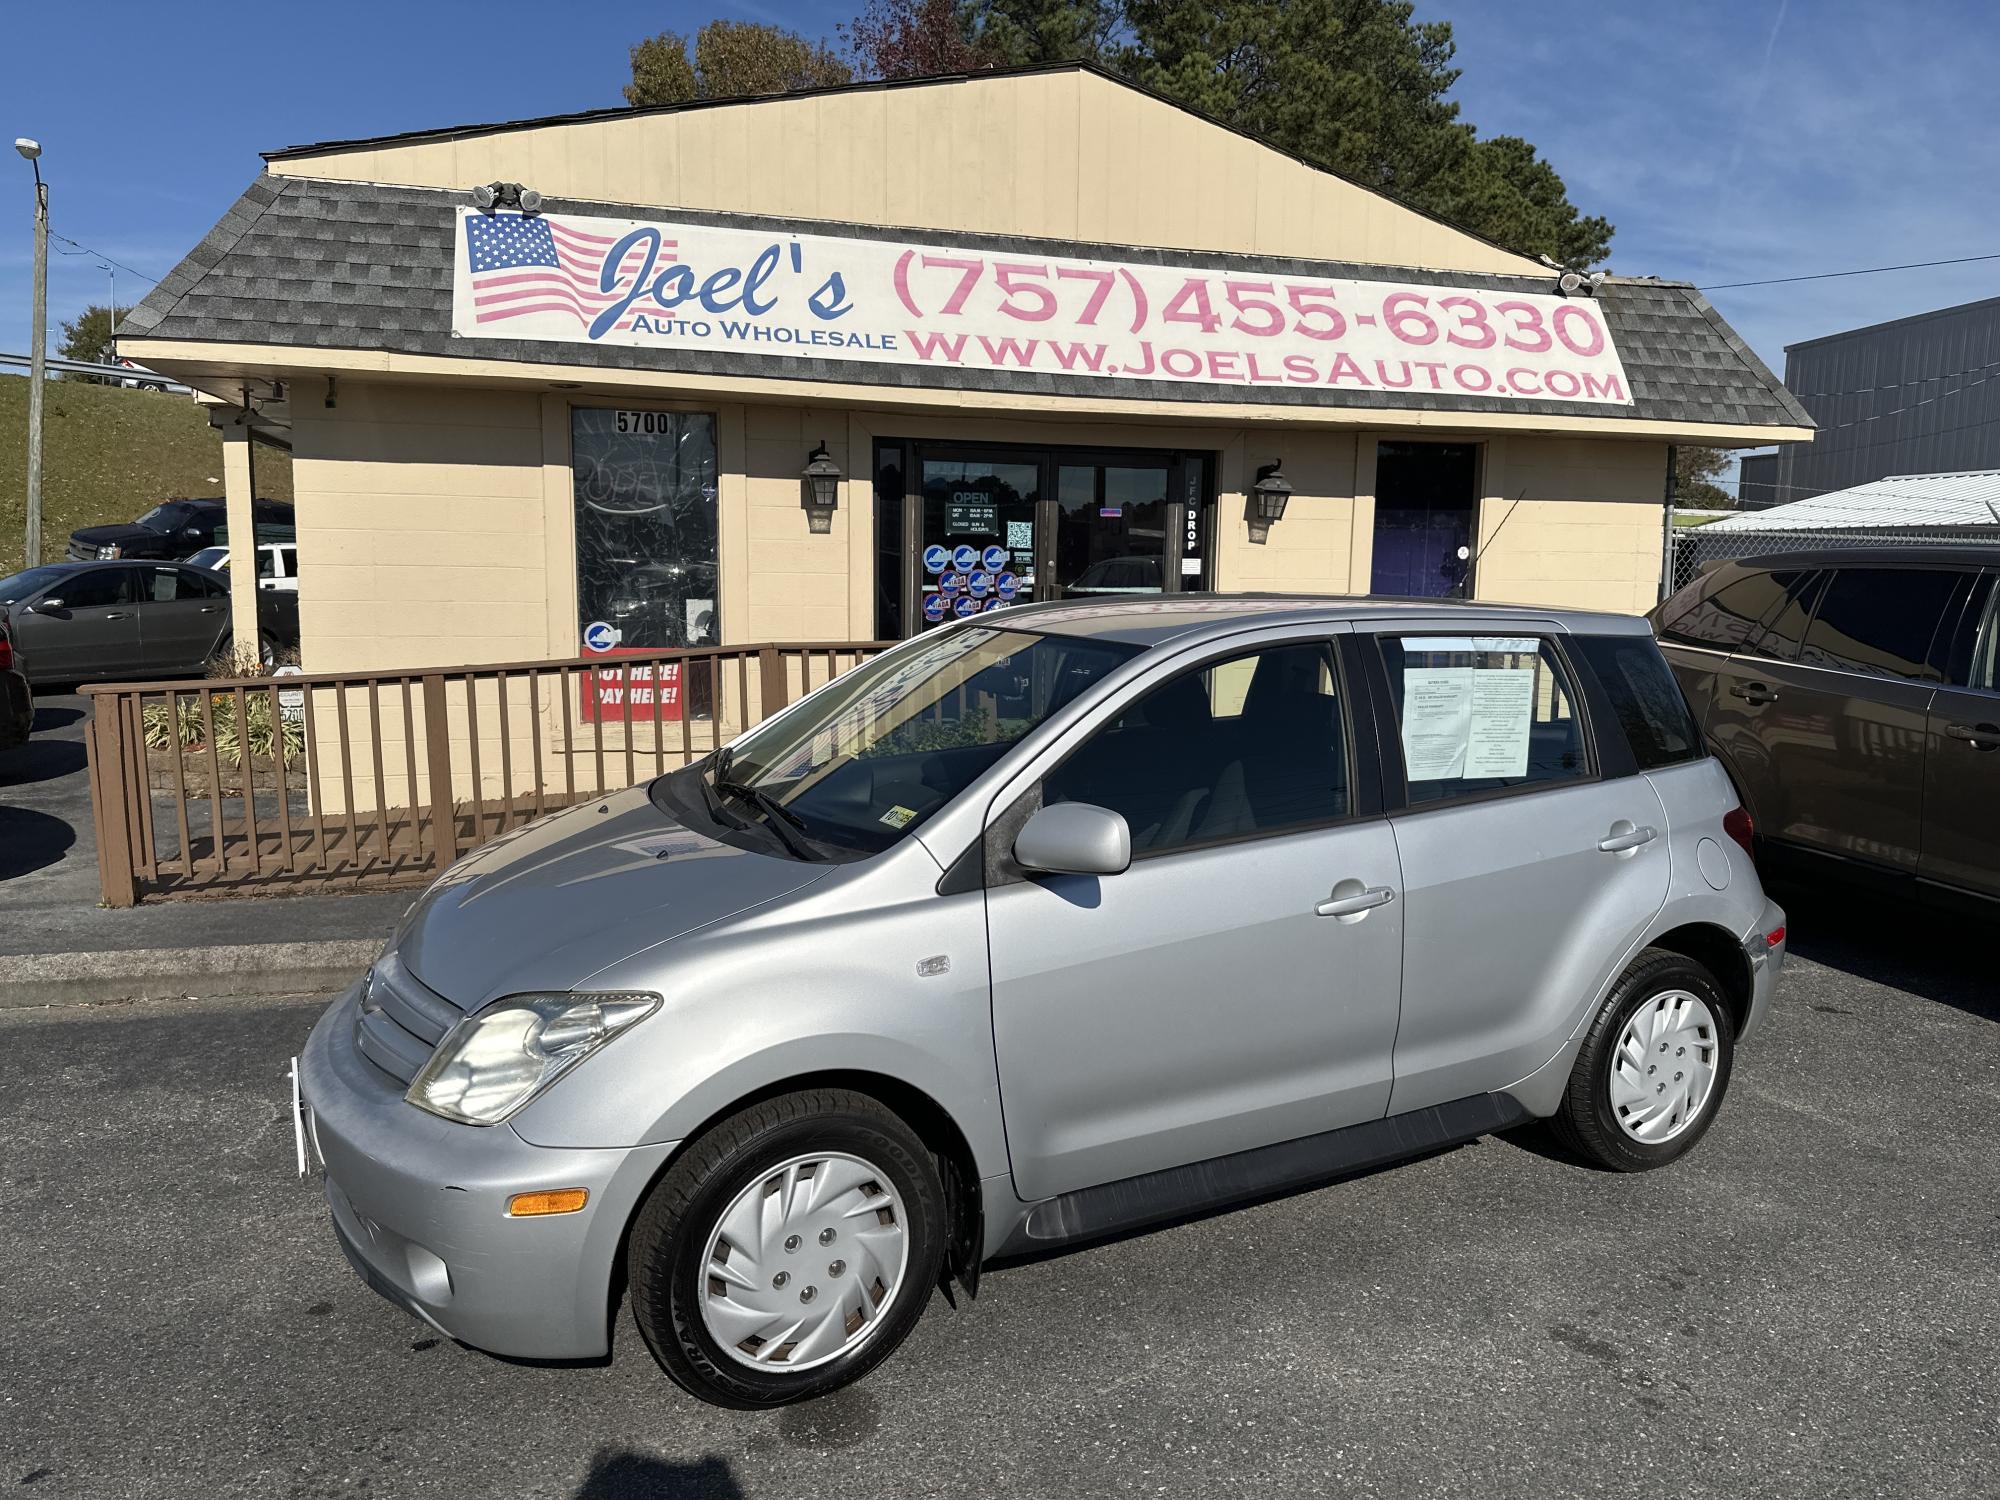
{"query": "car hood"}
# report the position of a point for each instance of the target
(548, 905)
(124, 532)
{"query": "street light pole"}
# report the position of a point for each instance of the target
(38, 358)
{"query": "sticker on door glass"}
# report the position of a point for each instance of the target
(1467, 719)
(936, 558)
(993, 559)
(899, 816)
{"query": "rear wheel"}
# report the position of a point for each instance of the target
(1653, 1068)
(789, 1250)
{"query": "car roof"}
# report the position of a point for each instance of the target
(1925, 554)
(1162, 618)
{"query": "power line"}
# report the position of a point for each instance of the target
(1915, 265)
(86, 250)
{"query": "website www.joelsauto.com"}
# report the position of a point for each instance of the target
(1256, 367)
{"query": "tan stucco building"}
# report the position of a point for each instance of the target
(1050, 329)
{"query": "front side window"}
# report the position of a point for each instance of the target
(96, 588)
(1643, 693)
(1880, 621)
(1480, 714)
(876, 754)
(645, 491)
(1254, 745)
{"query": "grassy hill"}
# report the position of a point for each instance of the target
(109, 454)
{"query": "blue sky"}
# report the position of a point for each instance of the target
(1728, 140)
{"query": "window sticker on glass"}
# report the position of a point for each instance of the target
(898, 816)
(1468, 706)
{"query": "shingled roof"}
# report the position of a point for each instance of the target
(311, 264)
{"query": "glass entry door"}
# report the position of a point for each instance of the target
(982, 528)
(978, 535)
(1112, 530)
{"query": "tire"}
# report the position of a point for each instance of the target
(700, 1274)
(267, 649)
(1627, 1107)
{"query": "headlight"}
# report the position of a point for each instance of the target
(106, 553)
(493, 1062)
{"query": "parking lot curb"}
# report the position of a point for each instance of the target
(30, 979)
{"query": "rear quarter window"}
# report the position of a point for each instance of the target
(1644, 697)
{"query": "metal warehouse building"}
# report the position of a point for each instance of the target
(838, 365)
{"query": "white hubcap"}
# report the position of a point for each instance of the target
(804, 1263)
(1664, 1067)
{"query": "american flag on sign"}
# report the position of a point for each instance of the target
(523, 265)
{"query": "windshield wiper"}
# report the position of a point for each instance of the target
(779, 818)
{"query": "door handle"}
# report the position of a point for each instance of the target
(1753, 692)
(1625, 839)
(112, 614)
(1979, 736)
(210, 609)
(1357, 905)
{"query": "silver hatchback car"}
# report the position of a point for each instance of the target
(1035, 929)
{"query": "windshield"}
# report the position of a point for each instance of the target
(160, 517)
(892, 742)
(25, 584)
(211, 557)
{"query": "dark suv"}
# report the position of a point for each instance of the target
(1854, 697)
(175, 529)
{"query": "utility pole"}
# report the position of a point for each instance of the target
(38, 358)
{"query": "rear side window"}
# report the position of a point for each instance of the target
(1880, 621)
(1643, 693)
(1480, 714)
(1729, 617)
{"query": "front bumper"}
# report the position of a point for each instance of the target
(1767, 961)
(420, 1207)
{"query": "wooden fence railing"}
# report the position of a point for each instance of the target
(384, 778)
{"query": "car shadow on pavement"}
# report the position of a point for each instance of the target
(1938, 956)
(31, 841)
(41, 760)
(631, 1475)
(47, 718)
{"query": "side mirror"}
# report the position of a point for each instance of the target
(1074, 838)
(42, 606)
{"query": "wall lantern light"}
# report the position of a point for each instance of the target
(820, 488)
(1269, 494)
(1266, 504)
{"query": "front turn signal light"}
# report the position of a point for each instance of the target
(556, 1201)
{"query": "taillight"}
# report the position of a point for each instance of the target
(1736, 823)
(6, 652)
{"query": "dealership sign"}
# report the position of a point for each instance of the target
(676, 286)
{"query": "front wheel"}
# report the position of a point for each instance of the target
(1653, 1068)
(789, 1250)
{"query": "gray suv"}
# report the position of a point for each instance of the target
(1035, 929)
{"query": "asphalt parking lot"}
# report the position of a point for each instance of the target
(1808, 1305)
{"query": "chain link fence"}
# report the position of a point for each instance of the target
(1692, 549)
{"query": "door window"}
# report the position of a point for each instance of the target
(1254, 745)
(1111, 529)
(1985, 673)
(98, 587)
(979, 535)
(1880, 621)
(1481, 714)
